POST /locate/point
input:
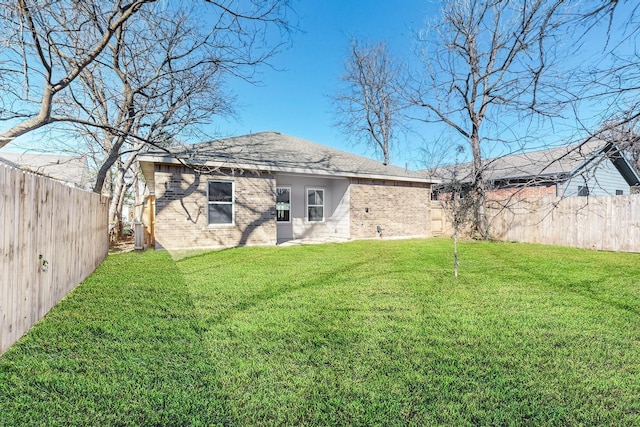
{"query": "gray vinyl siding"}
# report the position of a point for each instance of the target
(336, 208)
(602, 179)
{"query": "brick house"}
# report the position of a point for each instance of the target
(592, 168)
(268, 188)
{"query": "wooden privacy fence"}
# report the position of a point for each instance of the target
(52, 237)
(610, 223)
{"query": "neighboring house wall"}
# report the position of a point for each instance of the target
(400, 209)
(181, 220)
(514, 191)
(521, 192)
(601, 180)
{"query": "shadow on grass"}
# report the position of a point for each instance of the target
(272, 293)
(574, 272)
(588, 289)
(124, 348)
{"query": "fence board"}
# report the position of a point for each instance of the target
(609, 223)
(42, 219)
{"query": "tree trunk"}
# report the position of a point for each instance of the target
(119, 191)
(115, 215)
(478, 191)
(112, 158)
(481, 216)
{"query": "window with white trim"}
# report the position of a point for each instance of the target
(315, 204)
(220, 202)
(283, 204)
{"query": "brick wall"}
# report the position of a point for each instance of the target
(515, 192)
(181, 210)
(540, 190)
(401, 209)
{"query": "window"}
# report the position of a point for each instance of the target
(315, 205)
(583, 190)
(283, 204)
(619, 192)
(220, 201)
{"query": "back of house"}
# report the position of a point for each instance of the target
(268, 188)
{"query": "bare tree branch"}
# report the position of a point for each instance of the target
(37, 21)
(50, 43)
(482, 59)
(368, 107)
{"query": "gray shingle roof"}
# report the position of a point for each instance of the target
(276, 152)
(554, 163)
(68, 169)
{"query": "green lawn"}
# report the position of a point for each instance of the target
(362, 333)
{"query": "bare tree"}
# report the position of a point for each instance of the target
(600, 10)
(368, 107)
(483, 61)
(151, 78)
(161, 80)
(610, 84)
(49, 44)
(625, 135)
(166, 76)
(459, 207)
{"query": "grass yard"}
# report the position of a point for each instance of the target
(362, 333)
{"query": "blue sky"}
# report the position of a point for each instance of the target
(292, 97)
(295, 100)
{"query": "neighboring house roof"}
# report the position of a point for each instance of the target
(276, 152)
(554, 164)
(68, 169)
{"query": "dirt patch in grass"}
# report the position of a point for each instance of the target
(122, 246)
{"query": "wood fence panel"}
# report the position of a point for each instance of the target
(610, 223)
(52, 237)
(634, 229)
